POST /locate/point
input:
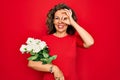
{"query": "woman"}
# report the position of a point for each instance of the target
(62, 41)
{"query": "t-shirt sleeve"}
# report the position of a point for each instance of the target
(79, 41)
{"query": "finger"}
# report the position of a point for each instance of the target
(56, 78)
(64, 18)
(66, 9)
(62, 78)
(69, 11)
(66, 22)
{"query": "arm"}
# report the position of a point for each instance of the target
(86, 37)
(37, 65)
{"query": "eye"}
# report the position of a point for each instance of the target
(65, 18)
(56, 18)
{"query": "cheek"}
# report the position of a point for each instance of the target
(66, 27)
(54, 22)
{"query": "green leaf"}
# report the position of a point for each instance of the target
(45, 55)
(45, 50)
(40, 52)
(44, 60)
(54, 57)
(51, 58)
(33, 57)
(32, 53)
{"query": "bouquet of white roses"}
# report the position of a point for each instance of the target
(38, 50)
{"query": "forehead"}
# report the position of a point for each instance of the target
(60, 12)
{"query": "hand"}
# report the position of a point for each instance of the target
(58, 75)
(68, 20)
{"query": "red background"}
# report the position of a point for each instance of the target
(26, 18)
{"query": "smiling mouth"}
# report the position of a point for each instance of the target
(60, 26)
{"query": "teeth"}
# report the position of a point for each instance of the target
(60, 26)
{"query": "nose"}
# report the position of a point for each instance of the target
(60, 20)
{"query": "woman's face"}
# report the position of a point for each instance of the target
(59, 18)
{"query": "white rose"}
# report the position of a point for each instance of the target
(42, 44)
(29, 48)
(23, 48)
(36, 48)
(30, 40)
(37, 41)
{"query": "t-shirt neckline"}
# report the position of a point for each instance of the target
(60, 37)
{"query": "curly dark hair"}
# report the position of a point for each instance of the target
(50, 19)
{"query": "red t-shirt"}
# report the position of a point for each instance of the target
(65, 49)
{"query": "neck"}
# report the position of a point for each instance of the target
(60, 34)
